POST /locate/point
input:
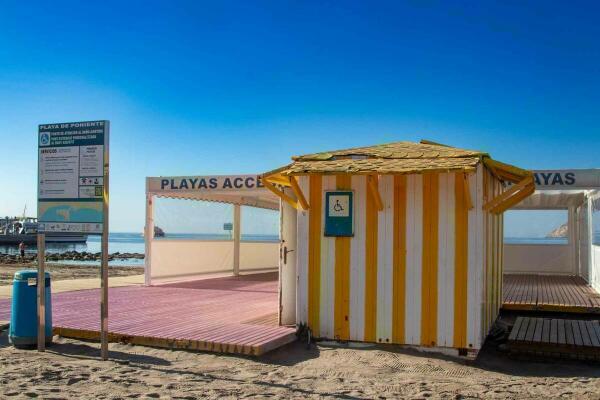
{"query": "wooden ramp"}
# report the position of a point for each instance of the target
(565, 338)
(557, 293)
(232, 314)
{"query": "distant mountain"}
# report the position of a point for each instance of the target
(560, 232)
(158, 232)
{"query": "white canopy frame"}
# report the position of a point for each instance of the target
(238, 190)
(574, 191)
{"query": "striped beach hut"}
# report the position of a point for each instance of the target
(395, 243)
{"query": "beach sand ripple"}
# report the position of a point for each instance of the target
(71, 369)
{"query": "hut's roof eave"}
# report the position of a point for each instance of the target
(395, 158)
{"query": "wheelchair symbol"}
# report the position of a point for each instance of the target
(337, 206)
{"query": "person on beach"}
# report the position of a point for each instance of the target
(22, 249)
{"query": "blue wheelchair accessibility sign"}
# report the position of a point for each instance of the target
(339, 213)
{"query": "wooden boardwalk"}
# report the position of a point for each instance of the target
(549, 293)
(556, 337)
(232, 314)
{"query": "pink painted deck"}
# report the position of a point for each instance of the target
(231, 314)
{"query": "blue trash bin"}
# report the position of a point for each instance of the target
(23, 316)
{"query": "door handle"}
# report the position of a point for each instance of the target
(285, 253)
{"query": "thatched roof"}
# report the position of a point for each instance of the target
(395, 158)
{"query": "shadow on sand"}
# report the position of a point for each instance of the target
(492, 360)
(86, 351)
(489, 359)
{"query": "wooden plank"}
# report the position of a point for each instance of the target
(523, 329)
(537, 334)
(530, 329)
(595, 326)
(593, 336)
(546, 331)
(585, 336)
(569, 333)
(515, 329)
(562, 338)
(554, 331)
(577, 336)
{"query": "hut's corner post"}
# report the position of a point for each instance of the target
(148, 236)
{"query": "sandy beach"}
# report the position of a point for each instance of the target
(71, 369)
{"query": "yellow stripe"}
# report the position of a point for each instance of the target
(342, 275)
(314, 253)
(430, 260)
(399, 290)
(371, 267)
(461, 218)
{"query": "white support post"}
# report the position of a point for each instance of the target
(237, 234)
(148, 238)
(577, 239)
(572, 237)
(591, 278)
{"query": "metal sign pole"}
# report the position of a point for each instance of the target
(41, 292)
(104, 268)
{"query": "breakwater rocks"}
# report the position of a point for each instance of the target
(67, 256)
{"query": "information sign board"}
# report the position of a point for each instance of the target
(71, 162)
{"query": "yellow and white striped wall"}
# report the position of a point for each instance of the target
(426, 270)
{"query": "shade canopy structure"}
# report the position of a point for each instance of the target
(246, 190)
(552, 199)
(175, 259)
(571, 249)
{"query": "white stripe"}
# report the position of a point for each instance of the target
(327, 270)
(385, 277)
(414, 255)
(445, 328)
(302, 256)
(480, 256)
(357, 260)
(475, 262)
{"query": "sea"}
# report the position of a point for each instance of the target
(125, 243)
(134, 243)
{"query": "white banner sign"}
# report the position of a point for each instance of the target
(567, 179)
(215, 183)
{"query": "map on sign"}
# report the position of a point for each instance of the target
(71, 176)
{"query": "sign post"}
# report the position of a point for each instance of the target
(73, 170)
(41, 292)
(104, 265)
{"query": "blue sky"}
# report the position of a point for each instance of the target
(238, 87)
